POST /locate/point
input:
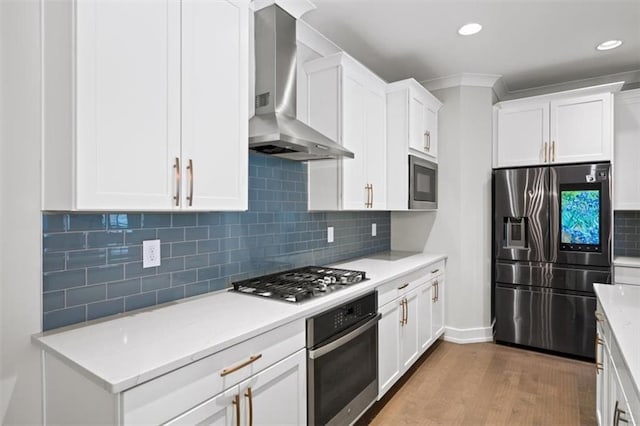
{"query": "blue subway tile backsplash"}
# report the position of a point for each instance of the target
(92, 263)
(626, 230)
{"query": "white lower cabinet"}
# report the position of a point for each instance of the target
(276, 395)
(258, 381)
(412, 309)
(617, 401)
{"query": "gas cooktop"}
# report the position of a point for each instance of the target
(300, 284)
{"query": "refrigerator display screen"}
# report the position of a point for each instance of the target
(580, 218)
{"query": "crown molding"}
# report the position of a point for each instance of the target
(628, 77)
(314, 40)
(295, 8)
(463, 79)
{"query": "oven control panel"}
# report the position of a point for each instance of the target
(340, 319)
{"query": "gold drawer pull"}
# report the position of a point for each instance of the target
(230, 370)
(403, 286)
(236, 402)
(435, 271)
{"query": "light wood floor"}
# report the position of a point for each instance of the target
(489, 384)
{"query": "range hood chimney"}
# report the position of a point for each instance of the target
(274, 130)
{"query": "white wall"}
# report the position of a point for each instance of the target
(20, 219)
(461, 227)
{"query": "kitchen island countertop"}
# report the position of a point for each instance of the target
(132, 348)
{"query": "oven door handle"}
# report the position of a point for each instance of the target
(323, 350)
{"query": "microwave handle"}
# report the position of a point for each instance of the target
(323, 350)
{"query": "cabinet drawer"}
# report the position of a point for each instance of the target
(400, 286)
(436, 269)
(167, 396)
(626, 275)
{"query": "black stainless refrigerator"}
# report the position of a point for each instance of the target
(552, 242)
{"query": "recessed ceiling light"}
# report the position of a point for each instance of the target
(470, 29)
(609, 44)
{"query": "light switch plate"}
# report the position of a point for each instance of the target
(150, 253)
(330, 234)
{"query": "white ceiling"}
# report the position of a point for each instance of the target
(531, 43)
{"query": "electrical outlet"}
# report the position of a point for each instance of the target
(330, 234)
(374, 230)
(150, 253)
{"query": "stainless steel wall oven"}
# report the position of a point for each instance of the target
(342, 362)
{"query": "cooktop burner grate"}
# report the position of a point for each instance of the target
(299, 284)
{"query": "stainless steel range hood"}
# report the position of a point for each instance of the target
(274, 130)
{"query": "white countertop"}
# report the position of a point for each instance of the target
(621, 305)
(132, 348)
(633, 262)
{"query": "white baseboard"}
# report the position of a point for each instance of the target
(468, 335)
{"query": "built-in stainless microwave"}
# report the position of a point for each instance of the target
(423, 184)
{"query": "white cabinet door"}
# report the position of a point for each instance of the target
(626, 195)
(431, 131)
(277, 395)
(389, 346)
(424, 316)
(410, 349)
(214, 107)
(376, 150)
(437, 307)
(581, 129)
(128, 104)
(423, 123)
(354, 171)
(417, 122)
(522, 134)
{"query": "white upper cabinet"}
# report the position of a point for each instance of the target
(412, 128)
(582, 129)
(151, 119)
(523, 135)
(346, 102)
(626, 195)
(568, 127)
(417, 113)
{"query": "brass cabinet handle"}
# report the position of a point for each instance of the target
(406, 318)
(615, 414)
(403, 286)
(435, 288)
(249, 395)
(427, 140)
(599, 317)
(553, 151)
(435, 271)
(236, 402)
(404, 311)
(230, 370)
(190, 196)
(371, 202)
(599, 365)
(437, 285)
(402, 319)
(176, 167)
(367, 203)
(545, 151)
